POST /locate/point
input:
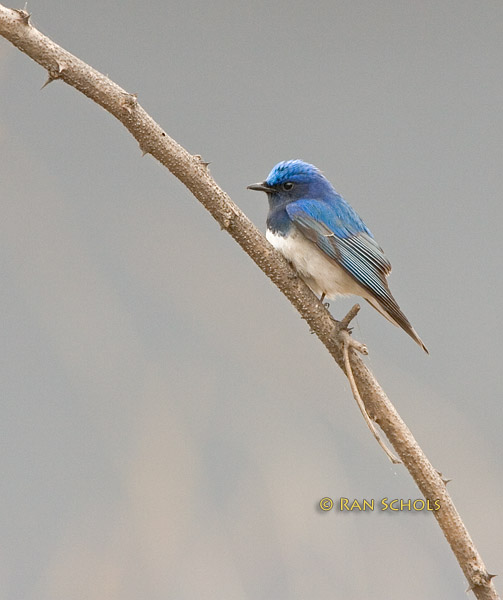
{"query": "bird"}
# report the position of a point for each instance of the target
(326, 241)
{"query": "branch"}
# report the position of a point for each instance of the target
(193, 173)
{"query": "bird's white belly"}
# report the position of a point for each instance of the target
(322, 274)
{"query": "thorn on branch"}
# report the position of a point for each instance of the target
(130, 102)
(24, 15)
(49, 80)
(54, 73)
(479, 578)
(444, 479)
(202, 162)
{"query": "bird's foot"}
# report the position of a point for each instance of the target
(325, 304)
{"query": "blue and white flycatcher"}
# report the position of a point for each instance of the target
(326, 241)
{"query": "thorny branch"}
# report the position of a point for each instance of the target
(192, 172)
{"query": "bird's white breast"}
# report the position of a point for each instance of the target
(322, 274)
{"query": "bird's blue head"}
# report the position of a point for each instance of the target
(293, 179)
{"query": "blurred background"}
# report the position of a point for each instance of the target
(168, 425)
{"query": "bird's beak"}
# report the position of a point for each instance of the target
(260, 187)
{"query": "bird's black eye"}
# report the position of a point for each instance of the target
(287, 186)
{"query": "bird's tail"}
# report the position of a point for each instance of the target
(392, 312)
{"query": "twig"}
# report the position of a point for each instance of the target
(341, 330)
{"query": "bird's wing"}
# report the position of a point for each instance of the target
(342, 238)
(340, 233)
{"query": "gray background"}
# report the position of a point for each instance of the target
(168, 425)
